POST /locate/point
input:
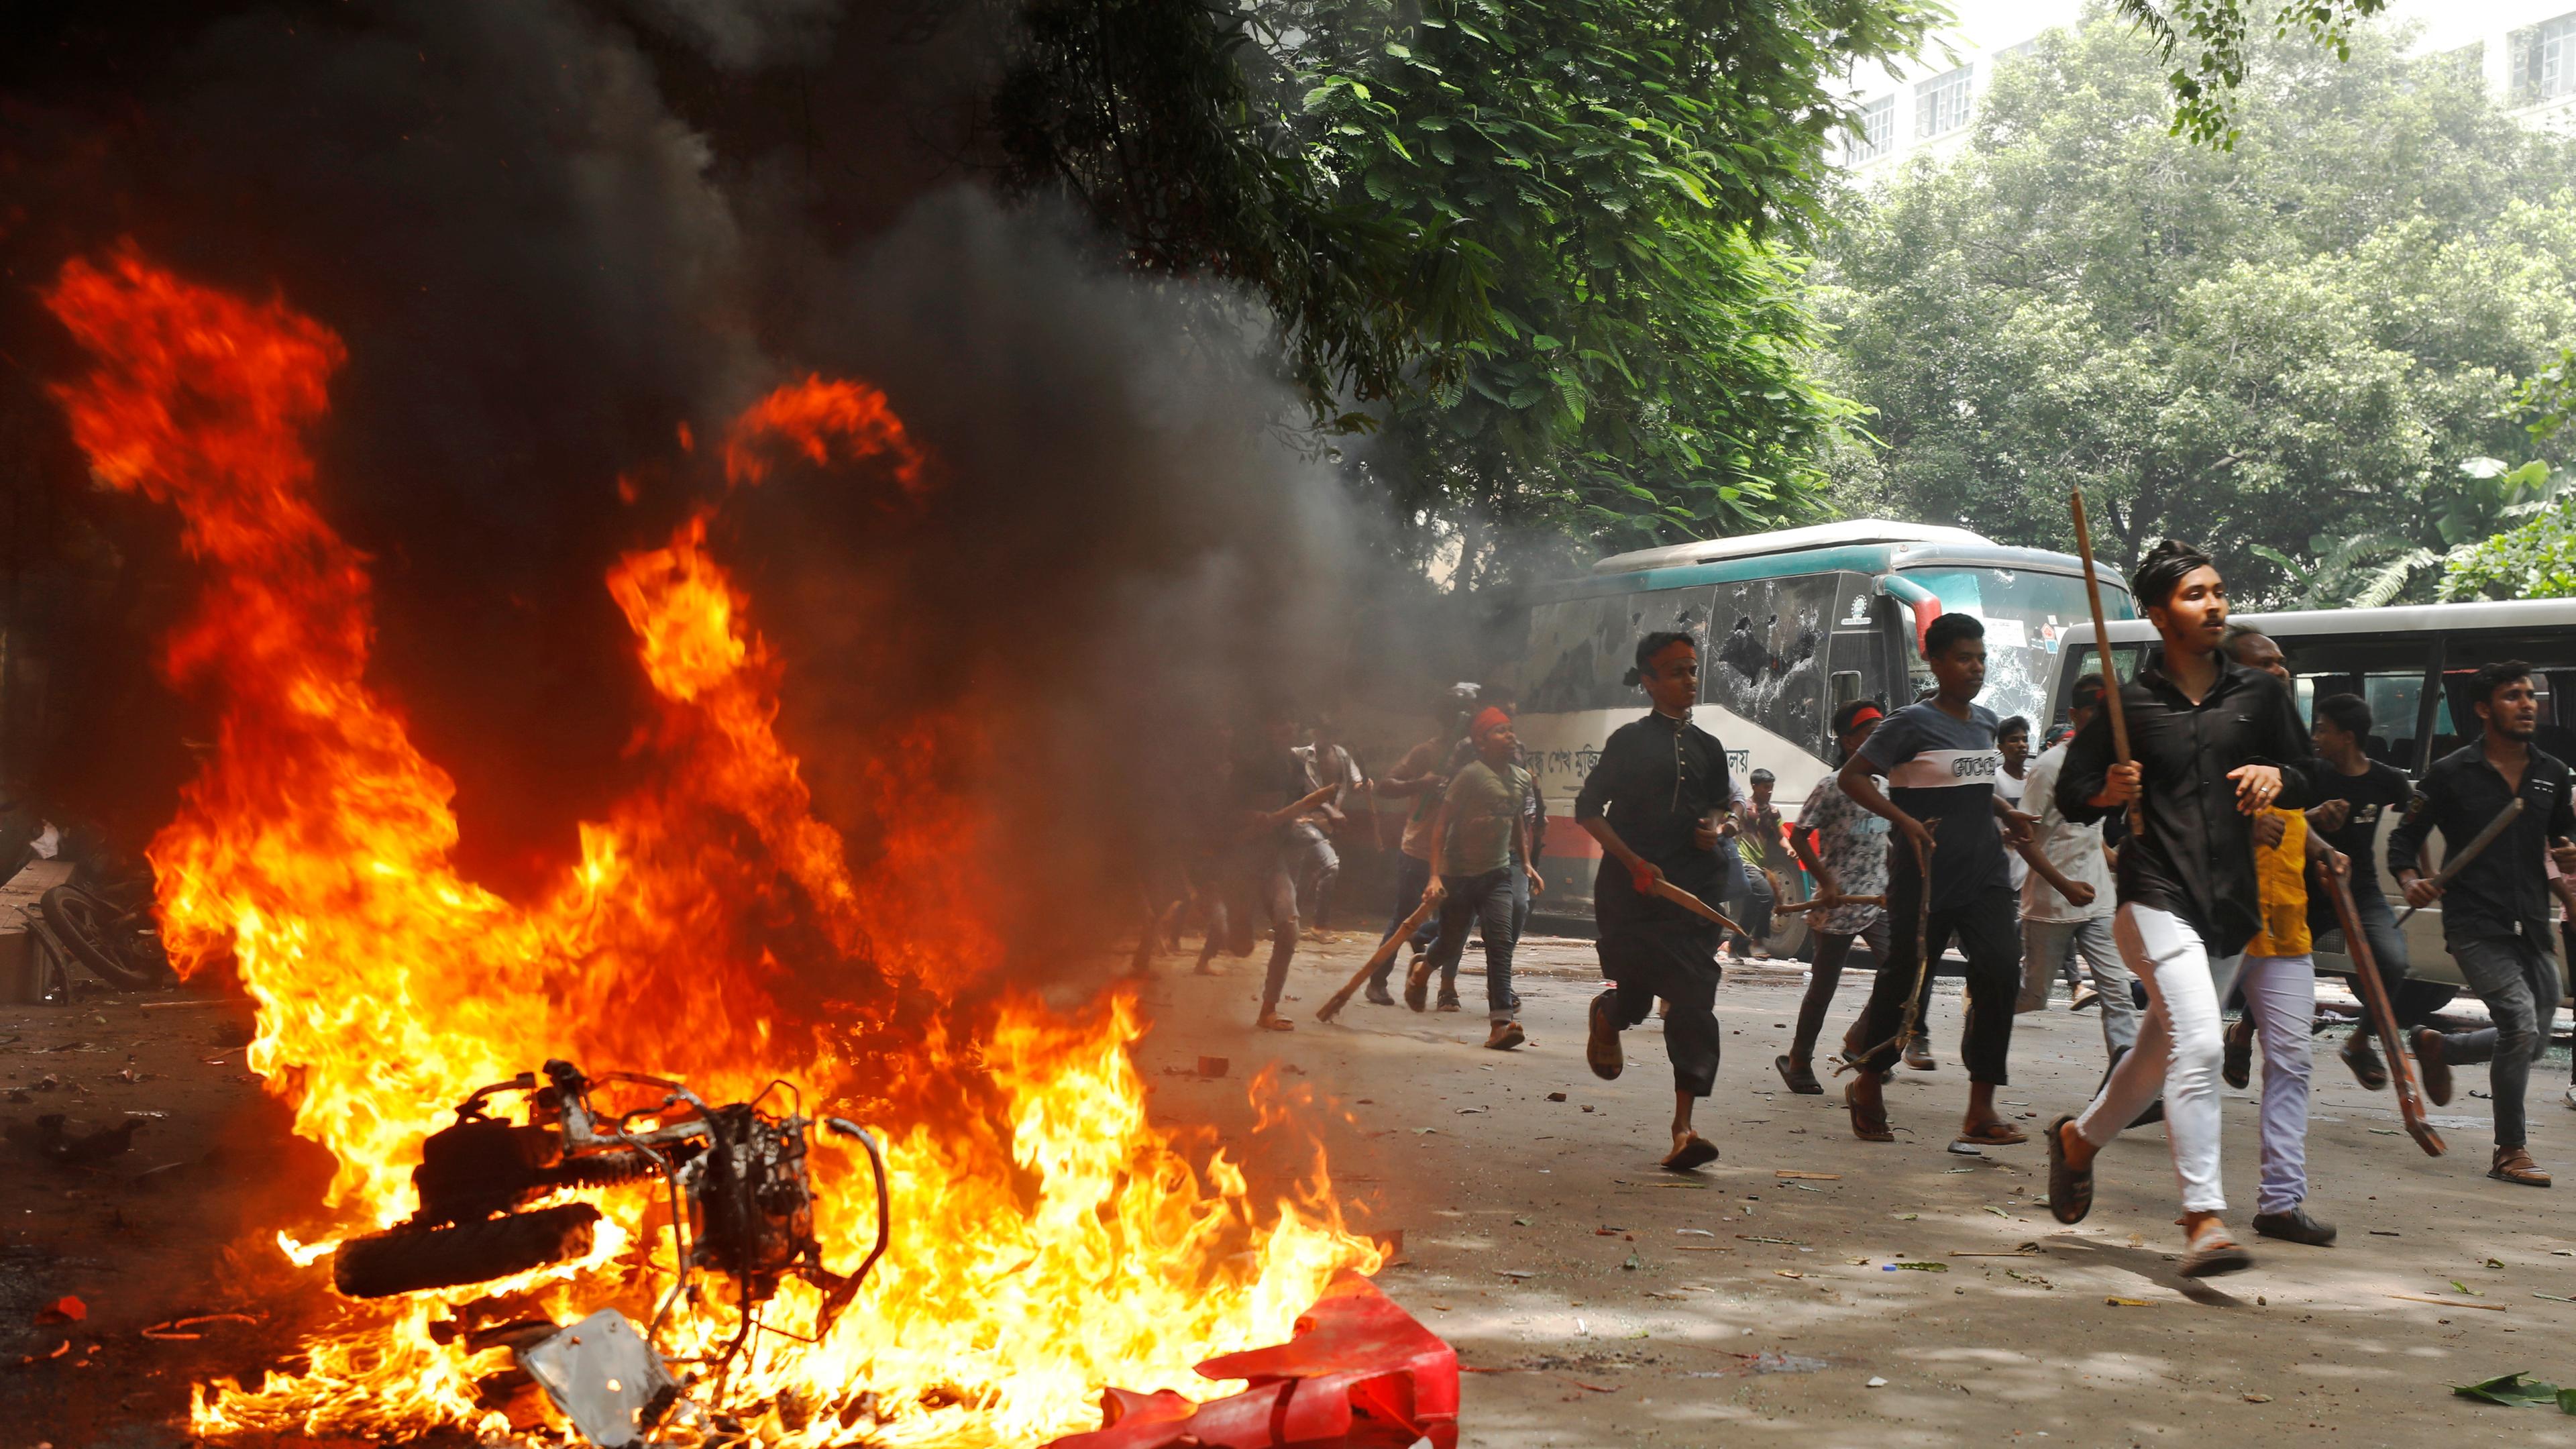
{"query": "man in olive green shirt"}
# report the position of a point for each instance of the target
(1480, 832)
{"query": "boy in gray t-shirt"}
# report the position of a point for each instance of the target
(1940, 761)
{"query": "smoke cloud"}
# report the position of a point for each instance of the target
(542, 272)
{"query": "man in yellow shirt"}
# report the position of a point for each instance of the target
(2279, 981)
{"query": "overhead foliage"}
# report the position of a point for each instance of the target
(2283, 350)
(2212, 46)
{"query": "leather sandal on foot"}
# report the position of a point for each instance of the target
(2513, 1164)
(2070, 1188)
(1601, 1045)
(2236, 1058)
(1417, 983)
(1866, 1126)
(2367, 1068)
(1696, 1153)
(1994, 1134)
(2213, 1252)
(1801, 1079)
(2435, 1071)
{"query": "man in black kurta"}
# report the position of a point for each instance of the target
(1652, 801)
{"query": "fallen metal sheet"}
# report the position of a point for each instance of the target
(1358, 1371)
(604, 1377)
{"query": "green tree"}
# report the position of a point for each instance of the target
(2279, 347)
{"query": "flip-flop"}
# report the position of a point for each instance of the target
(1867, 1131)
(1273, 1021)
(1696, 1153)
(1996, 1134)
(1801, 1080)
(2070, 1188)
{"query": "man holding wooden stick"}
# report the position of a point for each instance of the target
(1940, 761)
(1652, 801)
(2214, 744)
(2495, 905)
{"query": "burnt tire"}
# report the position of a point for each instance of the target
(408, 1260)
(83, 923)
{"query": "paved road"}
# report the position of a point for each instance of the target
(1602, 1301)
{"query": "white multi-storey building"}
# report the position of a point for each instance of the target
(2526, 49)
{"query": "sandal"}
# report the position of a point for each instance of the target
(2212, 1252)
(1994, 1134)
(1801, 1079)
(2070, 1188)
(1867, 1129)
(1273, 1021)
(1696, 1153)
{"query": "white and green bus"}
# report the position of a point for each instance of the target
(1791, 624)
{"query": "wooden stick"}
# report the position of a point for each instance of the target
(2452, 867)
(2102, 645)
(1695, 905)
(1384, 953)
(2383, 1018)
(2448, 1303)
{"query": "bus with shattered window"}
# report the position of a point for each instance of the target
(1791, 624)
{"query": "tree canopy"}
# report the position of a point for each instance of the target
(2276, 349)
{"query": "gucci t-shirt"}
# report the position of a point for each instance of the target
(1942, 772)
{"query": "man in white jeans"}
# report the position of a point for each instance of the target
(2213, 743)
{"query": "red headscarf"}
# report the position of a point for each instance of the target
(1491, 718)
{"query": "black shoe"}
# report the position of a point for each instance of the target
(2295, 1226)
(1601, 1044)
(1449, 1002)
(2237, 1066)
(1379, 995)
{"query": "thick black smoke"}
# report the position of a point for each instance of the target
(551, 233)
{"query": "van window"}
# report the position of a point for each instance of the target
(2552, 657)
(2080, 661)
(2396, 700)
(1581, 650)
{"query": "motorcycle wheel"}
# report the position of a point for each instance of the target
(81, 920)
(409, 1260)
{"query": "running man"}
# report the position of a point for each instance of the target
(1845, 848)
(1477, 845)
(2495, 912)
(1419, 778)
(2216, 743)
(2066, 901)
(1652, 801)
(2354, 793)
(2279, 984)
(1940, 761)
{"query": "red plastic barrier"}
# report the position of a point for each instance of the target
(1358, 1371)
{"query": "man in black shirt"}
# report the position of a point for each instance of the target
(2354, 794)
(2214, 744)
(1652, 801)
(2495, 912)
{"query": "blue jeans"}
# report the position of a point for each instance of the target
(1412, 878)
(2387, 951)
(1485, 902)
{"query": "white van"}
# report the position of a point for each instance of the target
(2413, 665)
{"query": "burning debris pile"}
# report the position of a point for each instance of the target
(1049, 1240)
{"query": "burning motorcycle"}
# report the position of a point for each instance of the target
(741, 1200)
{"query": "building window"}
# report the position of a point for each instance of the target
(1941, 104)
(2022, 51)
(1877, 131)
(2544, 61)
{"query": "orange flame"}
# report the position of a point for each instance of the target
(1050, 1238)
